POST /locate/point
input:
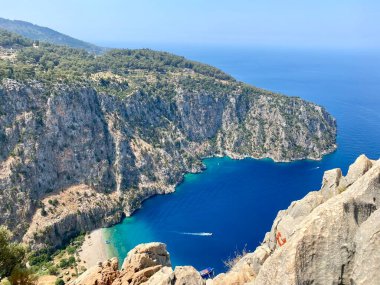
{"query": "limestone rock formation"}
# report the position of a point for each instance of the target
(147, 264)
(187, 275)
(142, 262)
(102, 274)
(365, 267)
(329, 237)
(165, 276)
(147, 255)
(182, 275)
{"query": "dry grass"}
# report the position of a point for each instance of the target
(231, 261)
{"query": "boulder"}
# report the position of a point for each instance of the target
(142, 263)
(146, 255)
(361, 165)
(102, 274)
(187, 275)
(330, 183)
(165, 276)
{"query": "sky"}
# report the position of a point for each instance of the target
(316, 23)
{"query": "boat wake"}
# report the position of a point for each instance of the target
(196, 234)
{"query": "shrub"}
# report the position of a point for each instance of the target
(43, 212)
(59, 281)
(63, 263)
(71, 260)
(70, 249)
(11, 254)
(53, 270)
(39, 258)
(22, 276)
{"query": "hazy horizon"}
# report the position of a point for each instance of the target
(146, 23)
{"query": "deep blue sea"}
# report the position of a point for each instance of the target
(232, 204)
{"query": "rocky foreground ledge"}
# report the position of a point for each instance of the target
(331, 236)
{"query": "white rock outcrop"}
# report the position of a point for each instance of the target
(331, 236)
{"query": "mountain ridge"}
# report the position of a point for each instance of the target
(44, 34)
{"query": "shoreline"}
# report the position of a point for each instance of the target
(94, 249)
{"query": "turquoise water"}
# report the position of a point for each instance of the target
(233, 203)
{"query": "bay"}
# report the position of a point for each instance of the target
(231, 205)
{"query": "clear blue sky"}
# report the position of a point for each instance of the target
(320, 23)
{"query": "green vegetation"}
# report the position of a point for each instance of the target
(11, 40)
(11, 254)
(53, 202)
(12, 261)
(13, 257)
(37, 33)
(118, 72)
(51, 262)
(59, 282)
(22, 275)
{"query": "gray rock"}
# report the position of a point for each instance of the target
(165, 276)
(146, 255)
(187, 275)
(361, 165)
(330, 183)
(142, 263)
(365, 267)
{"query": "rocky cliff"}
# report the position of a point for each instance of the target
(85, 139)
(331, 236)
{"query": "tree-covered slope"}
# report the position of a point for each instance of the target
(38, 33)
(100, 134)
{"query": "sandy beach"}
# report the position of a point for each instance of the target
(94, 249)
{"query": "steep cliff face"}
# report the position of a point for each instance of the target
(133, 147)
(331, 236)
(125, 126)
